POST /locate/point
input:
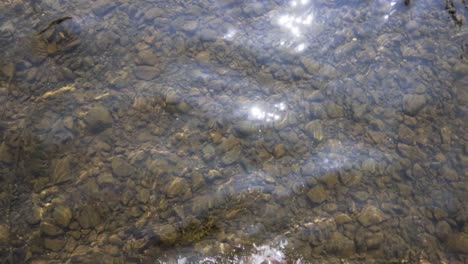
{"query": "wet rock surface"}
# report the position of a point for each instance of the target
(260, 132)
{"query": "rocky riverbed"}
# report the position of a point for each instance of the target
(233, 131)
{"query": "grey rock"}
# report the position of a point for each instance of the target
(406, 135)
(334, 110)
(62, 215)
(244, 128)
(147, 73)
(103, 9)
(317, 194)
(371, 215)
(121, 167)
(208, 152)
(413, 103)
(154, 13)
(98, 118)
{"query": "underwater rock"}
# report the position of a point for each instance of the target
(413, 103)
(54, 244)
(121, 167)
(458, 243)
(89, 217)
(371, 215)
(178, 186)
(146, 73)
(62, 215)
(50, 229)
(167, 233)
(98, 118)
(317, 194)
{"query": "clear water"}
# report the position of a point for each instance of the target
(233, 131)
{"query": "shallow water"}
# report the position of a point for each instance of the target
(233, 132)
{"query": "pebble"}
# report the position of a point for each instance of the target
(89, 217)
(413, 103)
(54, 244)
(105, 178)
(231, 156)
(340, 245)
(371, 215)
(50, 229)
(146, 73)
(342, 218)
(62, 215)
(4, 234)
(177, 186)
(167, 233)
(317, 194)
(443, 230)
(208, 152)
(154, 13)
(148, 57)
(315, 130)
(334, 110)
(458, 243)
(6, 155)
(98, 118)
(61, 171)
(121, 168)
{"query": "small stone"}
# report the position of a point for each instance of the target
(167, 234)
(62, 215)
(105, 178)
(360, 196)
(4, 234)
(342, 218)
(98, 118)
(50, 229)
(54, 244)
(146, 73)
(311, 66)
(410, 152)
(89, 217)
(458, 243)
(178, 186)
(315, 130)
(153, 13)
(231, 156)
(413, 103)
(6, 155)
(190, 26)
(406, 135)
(317, 194)
(34, 216)
(61, 171)
(104, 9)
(121, 168)
(208, 152)
(279, 151)
(334, 110)
(244, 128)
(340, 245)
(443, 230)
(197, 180)
(371, 215)
(148, 57)
(143, 195)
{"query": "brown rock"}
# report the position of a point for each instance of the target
(340, 245)
(342, 218)
(50, 229)
(121, 167)
(315, 130)
(4, 234)
(54, 244)
(6, 154)
(167, 234)
(89, 217)
(458, 243)
(443, 230)
(317, 194)
(98, 118)
(61, 170)
(371, 215)
(177, 186)
(62, 215)
(406, 135)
